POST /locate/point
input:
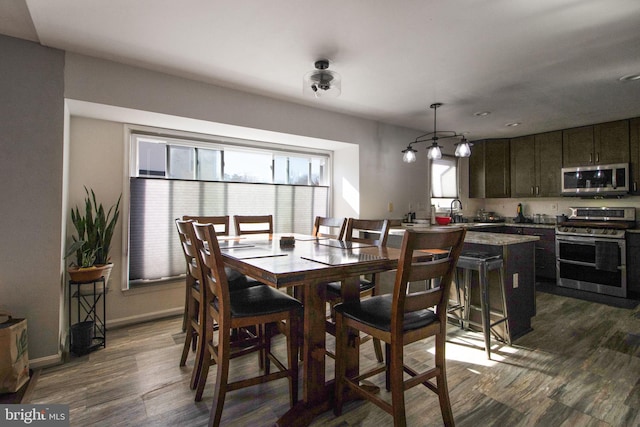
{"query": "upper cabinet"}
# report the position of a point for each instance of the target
(597, 144)
(634, 149)
(489, 170)
(535, 165)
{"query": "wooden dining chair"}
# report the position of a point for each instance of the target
(194, 326)
(221, 224)
(257, 305)
(253, 224)
(368, 231)
(401, 318)
(330, 227)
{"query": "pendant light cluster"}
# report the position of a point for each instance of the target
(463, 148)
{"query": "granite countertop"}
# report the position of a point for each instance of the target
(497, 239)
(419, 226)
(479, 237)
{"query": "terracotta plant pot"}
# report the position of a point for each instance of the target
(90, 274)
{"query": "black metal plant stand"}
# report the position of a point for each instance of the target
(90, 332)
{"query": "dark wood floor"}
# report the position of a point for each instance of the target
(580, 366)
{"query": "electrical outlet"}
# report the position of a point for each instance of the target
(515, 280)
(390, 207)
(554, 207)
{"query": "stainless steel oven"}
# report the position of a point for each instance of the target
(591, 250)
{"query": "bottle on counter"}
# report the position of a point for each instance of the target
(433, 214)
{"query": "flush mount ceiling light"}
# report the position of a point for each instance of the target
(321, 82)
(463, 148)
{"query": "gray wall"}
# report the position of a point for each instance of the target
(31, 188)
(42, 170)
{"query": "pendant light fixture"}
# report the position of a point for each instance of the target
(463, 148)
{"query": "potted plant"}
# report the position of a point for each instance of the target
(94, 227)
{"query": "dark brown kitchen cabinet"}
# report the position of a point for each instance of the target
(489, 172)
(634, 149)
(545, 249)
(476, 171)
(603, 143)
(535, 165)
(633, 266)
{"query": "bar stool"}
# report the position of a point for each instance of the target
(483, 263)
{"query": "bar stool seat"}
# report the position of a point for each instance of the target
(482, 263)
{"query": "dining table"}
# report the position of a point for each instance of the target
(306, 264)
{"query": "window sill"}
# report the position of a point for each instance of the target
(156, 286)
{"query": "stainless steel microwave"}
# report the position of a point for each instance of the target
(605, 180)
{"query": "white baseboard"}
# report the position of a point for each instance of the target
(44, 362)
(56, 359)
(124, 321)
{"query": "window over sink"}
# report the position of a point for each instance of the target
(444, 181)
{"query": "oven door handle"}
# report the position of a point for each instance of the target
(587, 240)
(581, 263)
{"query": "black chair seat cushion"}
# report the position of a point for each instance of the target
(259, 300)
(335, 288)
(376, 312)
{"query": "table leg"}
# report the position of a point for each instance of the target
(317, 392)
(317, 395)
(315, 389)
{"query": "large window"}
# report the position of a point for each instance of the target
(444, 181)
(172, 177)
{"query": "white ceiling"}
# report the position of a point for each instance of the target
(549, 64)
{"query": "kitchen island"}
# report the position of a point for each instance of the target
(518, 254)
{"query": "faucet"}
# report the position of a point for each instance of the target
(453, 203)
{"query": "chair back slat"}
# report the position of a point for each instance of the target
(333, 228)
(379, 227)
(440, 269)
(436, 268)
(220, 222)
(253, 224)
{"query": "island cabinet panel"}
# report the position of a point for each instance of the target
(489, 171)
(518, 262)
(634, 151)
(599, 144)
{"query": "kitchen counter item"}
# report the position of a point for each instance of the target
(443, 220)
(490, 219)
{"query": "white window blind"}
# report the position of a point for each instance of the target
(154, 249)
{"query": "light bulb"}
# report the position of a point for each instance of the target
(463, 149)
(409, 155)
(434, 152)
